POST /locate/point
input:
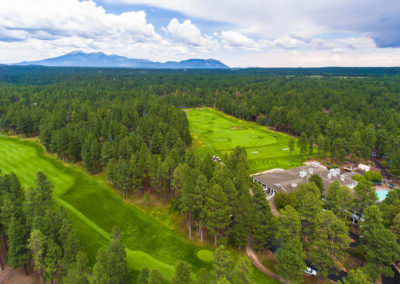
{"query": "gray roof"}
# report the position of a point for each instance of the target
(289, 180)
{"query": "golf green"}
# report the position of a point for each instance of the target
(217, 133)
(95, 209)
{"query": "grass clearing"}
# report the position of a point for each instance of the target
(95, 209)
(217, 133)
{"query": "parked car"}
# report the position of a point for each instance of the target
(311, 271)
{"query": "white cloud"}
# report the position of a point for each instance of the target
(314, 58)
(73, 18)
(235, 39)
(189, 33)
(359, 43)
(378, 19)
(35, 29)
(288, 43)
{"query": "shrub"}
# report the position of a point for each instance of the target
(281, 200)
(373, 176)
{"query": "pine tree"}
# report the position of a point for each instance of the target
(107, 153)
(143, 276)
(218, 212)
(366, 195)
(18, 234)
(339, 199)
(381, 245)
(182, 273)
(78, 271)
(95, 156)
(302, 144)
(291, 148)
(311, 145)
(52, 260)
(155, 277)
(203, 276)
(320, 142)
(223, 262)
(264, 230)
(291, 257)
(200, 197)
(356, 276)
(289, 224)
(111, 264)
(116, 262)
(100, 274)
(188, 200)
(68, 241)
(243, 270)
(37, 245)
(318, 182)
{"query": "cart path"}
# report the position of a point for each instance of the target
(257, 263)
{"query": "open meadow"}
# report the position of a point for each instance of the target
(95, 209)
(217, 133)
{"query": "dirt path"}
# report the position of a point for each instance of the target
(272, 204)
(17, 276)
(253, 257)
(257, 263)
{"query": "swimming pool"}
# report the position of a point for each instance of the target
(382, 194)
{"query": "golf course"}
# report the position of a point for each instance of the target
(217, 133)
(95, 208)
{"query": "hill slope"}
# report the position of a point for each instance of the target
(99, 59)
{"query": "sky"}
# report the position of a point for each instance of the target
(240, 33)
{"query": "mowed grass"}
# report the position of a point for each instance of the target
(95, 209)
(217, 133)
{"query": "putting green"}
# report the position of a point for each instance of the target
(95, 209)
(205, 255)
(217, 133)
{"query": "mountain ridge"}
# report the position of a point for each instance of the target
(100, 59)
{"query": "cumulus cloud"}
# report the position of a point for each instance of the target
(52, 28)
(52, 19)
(378, 19)
(236, 39)
(288, 43)
(190, 34)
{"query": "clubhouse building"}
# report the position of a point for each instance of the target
(286, 181)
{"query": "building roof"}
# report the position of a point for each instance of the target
(289, 180)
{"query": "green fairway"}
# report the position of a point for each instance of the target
(95, 209)
(217, 133)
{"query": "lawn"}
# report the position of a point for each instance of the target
(217, 133)
(95, 209)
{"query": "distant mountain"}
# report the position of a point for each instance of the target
(99, 59)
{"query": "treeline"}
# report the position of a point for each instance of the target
(75, 126)
(314, 222)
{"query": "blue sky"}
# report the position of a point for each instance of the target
(264, 33)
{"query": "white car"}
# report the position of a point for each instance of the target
(311, 271)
